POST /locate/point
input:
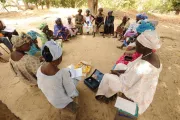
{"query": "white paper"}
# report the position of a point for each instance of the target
(8, 29)
(75, 73)
(126, 105)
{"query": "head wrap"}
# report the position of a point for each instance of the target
(110, 12)
(88, 10)
(58, 19)
(42, 26)
(142, 16)
(149, 39)
(33, 34)
(54, 48)
(18, 41)
(80, 10)
(69, 17)
(144, 26)
(139, 16)
(100, 9)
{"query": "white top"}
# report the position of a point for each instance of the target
(58, 88)
(133, 27)
(138, 83)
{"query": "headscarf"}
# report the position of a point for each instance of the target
(33, 34)
(139, 16)
(142, 16)
(149, 39)
(42, 26)
(110, 12)
(58, 19)
(88, 10)
(100, 9)
(80, 10)
(145, 26)
(54, 48)
(18, 41)
(69, 18)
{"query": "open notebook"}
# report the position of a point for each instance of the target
(75, 73)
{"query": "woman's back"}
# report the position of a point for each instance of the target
(57, 88)
(25, 68)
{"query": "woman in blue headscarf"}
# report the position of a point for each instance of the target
(144, 25)
(35, 50)
(60, 31)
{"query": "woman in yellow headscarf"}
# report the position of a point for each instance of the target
(25, 66)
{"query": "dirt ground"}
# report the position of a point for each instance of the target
(30, 103)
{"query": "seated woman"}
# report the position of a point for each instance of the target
(143, 25)
(72, 29)
(7, 31)
(45, 34)
(79, 20)
(34, 50)
(138, 82)
(131, 31)
(88, 26)
(56, 84)
(25, 66)
(60, 32)
(99, 22)
(109, 24)
(121, 29)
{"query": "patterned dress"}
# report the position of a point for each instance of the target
(79, 20)
(26, 69)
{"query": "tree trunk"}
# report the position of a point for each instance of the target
(18, 6)
(47, 4)
(26, 5)
(36, 4)
(93, 5)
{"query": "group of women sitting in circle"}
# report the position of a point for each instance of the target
(135, 74)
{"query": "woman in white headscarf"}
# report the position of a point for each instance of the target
(139, 79)
(56, 84)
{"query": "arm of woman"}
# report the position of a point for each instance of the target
(56, 30)
(69, 85)
(117, 72)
